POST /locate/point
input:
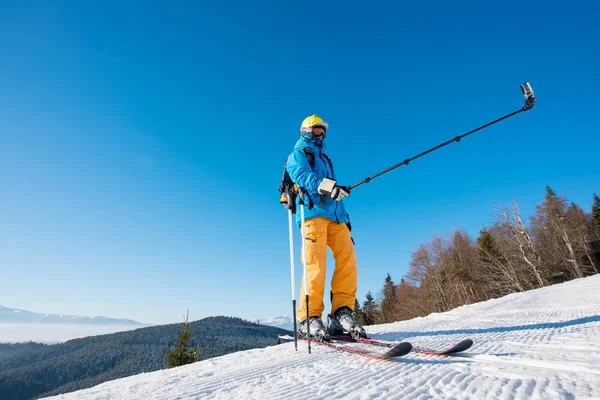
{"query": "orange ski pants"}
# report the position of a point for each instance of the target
(321, 233)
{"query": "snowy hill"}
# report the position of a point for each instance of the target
(282, 321)
(543, 344)
(16, 316)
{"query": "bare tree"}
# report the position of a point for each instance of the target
(407, 300)
(518, 241)
(424, 273)
(458, 269)
(445, 274)
(501, 272)
(562, 243)
(581, 231)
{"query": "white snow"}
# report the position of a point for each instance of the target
(543, 344)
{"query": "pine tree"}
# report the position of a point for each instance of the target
(596, 215)
(596, 228)
(486, 244)
(370, 309)
(359, 316)
(183, 353)
(553, 239)
(550, 194)
(388, 303)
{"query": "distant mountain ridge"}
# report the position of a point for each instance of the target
(16, 316)
(281, 321)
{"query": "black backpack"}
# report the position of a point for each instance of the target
(289, 191)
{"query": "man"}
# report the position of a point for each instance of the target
(327, 225)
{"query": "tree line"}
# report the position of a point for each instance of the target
(561, 242)
(31, 370)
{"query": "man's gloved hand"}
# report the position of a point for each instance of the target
(334, 191)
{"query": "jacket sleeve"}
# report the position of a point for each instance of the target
(301, 172)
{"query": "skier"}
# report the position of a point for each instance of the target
(327, 225)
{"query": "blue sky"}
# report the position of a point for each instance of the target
(141, 146)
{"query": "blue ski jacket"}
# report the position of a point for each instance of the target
(309, 178)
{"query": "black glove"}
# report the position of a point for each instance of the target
(334, 191)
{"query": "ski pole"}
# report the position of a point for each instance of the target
(529, 102)
(304, 265)
(293, 279)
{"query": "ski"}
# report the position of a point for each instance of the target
(455, 348)
(395, 350)
(347, 338)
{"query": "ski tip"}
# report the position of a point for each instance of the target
(398, 350)
(460, 347)
(465, 344)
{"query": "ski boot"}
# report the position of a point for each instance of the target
(318, 331)
(343, 323)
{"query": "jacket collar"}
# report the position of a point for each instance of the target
(308, 140)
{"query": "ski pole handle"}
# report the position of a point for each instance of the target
(305, 198)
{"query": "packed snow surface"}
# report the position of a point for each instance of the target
(543, 344)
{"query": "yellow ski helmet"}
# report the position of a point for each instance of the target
(311, 122)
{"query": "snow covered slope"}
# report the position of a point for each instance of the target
(543, 344)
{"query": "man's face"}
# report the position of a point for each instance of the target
(318, 132)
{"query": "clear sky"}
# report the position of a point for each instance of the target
(141, 144)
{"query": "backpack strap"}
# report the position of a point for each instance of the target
(329, 162)
(310, 156)
(289, 191)
(311, 160)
